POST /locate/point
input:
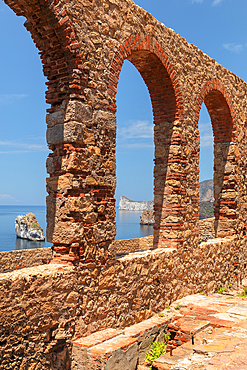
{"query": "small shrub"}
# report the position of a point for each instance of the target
(157, 349)
(202, 293)
(221, 290)
(161, 315)
(166, 338)
(177, 307)
(168, 309)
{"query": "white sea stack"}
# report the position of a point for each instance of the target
(27, 227)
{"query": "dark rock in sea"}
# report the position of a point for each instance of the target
(27, 227)
(147, 218)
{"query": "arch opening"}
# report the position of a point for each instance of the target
(134, 152)
(225, 155)
(206, 165)
(164, 109)
(23, 144)
(163, 87)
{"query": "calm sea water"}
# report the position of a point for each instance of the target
(128, 226)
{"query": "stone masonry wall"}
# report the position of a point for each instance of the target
(17, 259)
(83, 45)
(42, 308)
(12, 260)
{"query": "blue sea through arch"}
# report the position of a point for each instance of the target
(128, 226)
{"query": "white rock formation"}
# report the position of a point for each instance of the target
(27, 227)
(133, 205)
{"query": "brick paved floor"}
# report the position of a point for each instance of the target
(206, 333)
(221, 340)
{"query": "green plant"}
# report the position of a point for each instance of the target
(161, 315)
(177, 307)
(221, 290)
(244, 293)
(166, 338)
(168, 309)
(157, 349)
(202, 293)
(35, 226)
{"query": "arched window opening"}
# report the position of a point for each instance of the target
(160, 78)
(135, 150)
(219, 107)
(206, 165)
(23, 131)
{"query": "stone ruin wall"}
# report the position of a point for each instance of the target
(83, 45)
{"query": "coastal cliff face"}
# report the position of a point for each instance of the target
(132, 205)
(207, 191)
(206, 203)
(206, 199)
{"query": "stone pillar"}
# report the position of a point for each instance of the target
(169, 190)
(226, 156)
(81, 186)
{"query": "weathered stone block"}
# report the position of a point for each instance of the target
(65, 232)
(77, 111)
(68, 132)
(58, 183)
(55, 118)
(105, 119)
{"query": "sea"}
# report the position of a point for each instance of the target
(128, 226)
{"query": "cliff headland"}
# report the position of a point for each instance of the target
(133, 205)
(206, 203)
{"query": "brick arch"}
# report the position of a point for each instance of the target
(223, 120)
(219, 106)
(128, 50)
(54, 35)
(150, 59)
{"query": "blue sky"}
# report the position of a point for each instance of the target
(218, 27)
